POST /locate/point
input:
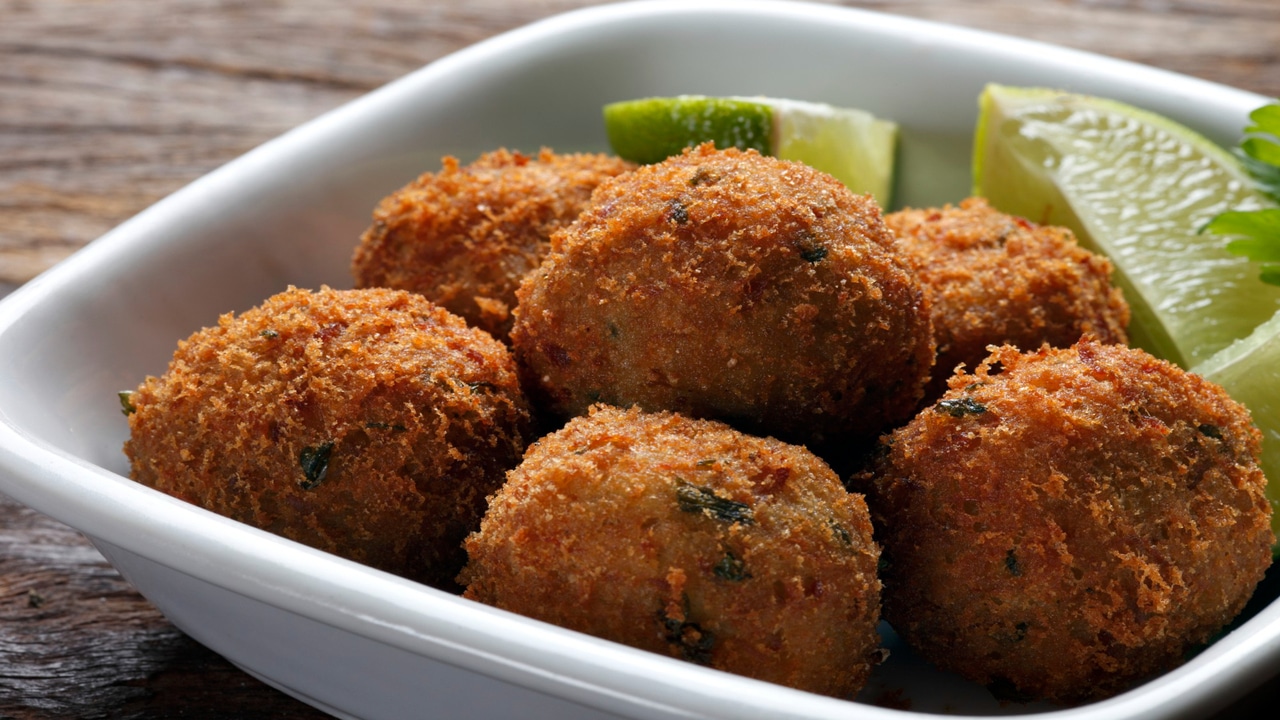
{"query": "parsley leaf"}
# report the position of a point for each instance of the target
(697, 499)
(1257, 232)
(315, 465)
(1260, 149)
(1257, 238)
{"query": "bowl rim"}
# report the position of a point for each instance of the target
(422, 620)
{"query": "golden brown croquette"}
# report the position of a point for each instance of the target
(687, 538)
(728, 285)
(997, 279)
(367, 423)
(1073, 523)
(465, 236)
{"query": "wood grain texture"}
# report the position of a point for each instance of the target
(76, 641)
(108, 105)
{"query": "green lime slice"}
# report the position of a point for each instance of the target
(653, 129)
(1249, 370)
(854, 146)
(1137, 187)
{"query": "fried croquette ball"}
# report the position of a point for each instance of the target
(368, 423)
(996, 279)
(730, 286)
(464, 237)
(1072, 524)
(687, 538)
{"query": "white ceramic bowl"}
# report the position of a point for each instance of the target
(361, 643)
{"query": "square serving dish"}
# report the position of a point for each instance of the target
(361, 643)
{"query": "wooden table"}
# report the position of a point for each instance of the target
(105, 107)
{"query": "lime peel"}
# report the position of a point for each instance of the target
(852, 145)
(652, 129)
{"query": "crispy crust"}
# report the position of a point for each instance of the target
(727, 285)
(367, 423)
(996, 279)
(465, 236)
(1073, 524)
(603, 529)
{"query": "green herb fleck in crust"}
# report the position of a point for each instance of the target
(838, 530)
(960, 408)
(731, 568)
(695, 643)
(1011, 563)
(315, 464)
(696, 499)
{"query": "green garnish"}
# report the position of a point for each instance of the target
(839, 531)
(811, 248)
(960, 408)
(695, 643)
(1011, 563)
(696, 499)
(1257, 232)
(731, 568)
(1212, 431)
(678, 213)
(1260, 149)
(126, 402)
(315, 464)
(814, 254)
(269, 334)
(701, 177)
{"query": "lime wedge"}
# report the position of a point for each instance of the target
(1249, 370)
(653, 129)
(1137, 187)
(854, 146)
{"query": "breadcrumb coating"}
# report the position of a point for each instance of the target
(465, 236)
(687, 538)
(370, 424)
(727, 285)
(1067, 522)
(997, 279)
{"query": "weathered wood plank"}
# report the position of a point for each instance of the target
(76, 641)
